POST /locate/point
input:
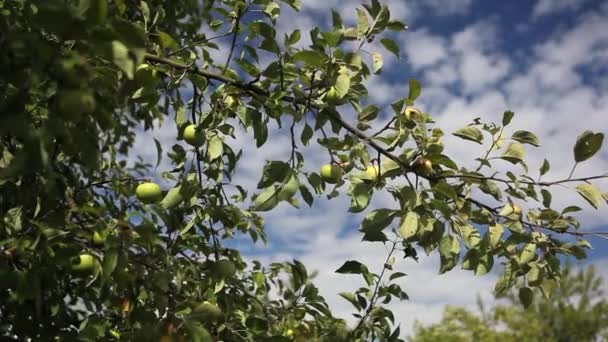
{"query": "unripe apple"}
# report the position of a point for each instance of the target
(436, 147)
(84, 263)
(332, 95)
(511, 210)
(73, 104)
(331, 173)
(289, 332)
(224, 269)
(231, 101)
(412, 113)
(99, 238)
(148, 192)
(516, 209)
(423, 166)
(373, 172)
(208, 311)
(194, 137)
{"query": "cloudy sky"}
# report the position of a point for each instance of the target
(546, 60)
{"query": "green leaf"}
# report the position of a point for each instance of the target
(396, 25)
(527, 254)
(470, 235)
(587, 145)
(470, 133)
(360, 193)
(591, 193)
(120, 57)
(526, 137)
(352, 299)
(362, 24)
(515, 153)
(409, 226)
(173, 198)
(391, 46)
(545, 167)
(415, 90)
(449, 250)
(352, 267)
(215, 147)
(547, 286)
(377, 220)
(378, 62)
(546, 197)
(293, 38)
(307, 134)
(310, 58)
(507, 117)
(526, 296)
(159, 152)
(267, 199)
(495, 234)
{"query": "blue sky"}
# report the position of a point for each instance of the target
(547, 60)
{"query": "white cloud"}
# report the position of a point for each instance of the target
(423, 49)
(547, 7)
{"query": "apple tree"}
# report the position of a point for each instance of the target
(92, 248)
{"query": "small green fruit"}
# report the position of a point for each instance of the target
(412, 113)
(332, 95)
(148, 192)
(331, 173)
(99, 238)
(423, 166)
(224, 269)
(516, 209)
(373, 173)
(208, 311)
(436, 147)
(194, 137)
(84, 263)
(73, 104)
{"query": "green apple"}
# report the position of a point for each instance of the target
(99, 238)
(516, 209)
(332, 95)
(331, 173)
(423, 166)
(231, 101)
(194, 137)
(223, 269)
(84, 262)
(511, 210)
(148, 192)
(412, 113)
(373, 172)
(73, 104)
(435, 147)
(208, 311)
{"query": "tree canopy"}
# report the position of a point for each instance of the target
(93, 249)
(577, 311)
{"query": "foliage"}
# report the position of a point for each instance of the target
(577, 311)
(81, 77)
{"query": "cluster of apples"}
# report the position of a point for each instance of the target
(331, 173)
(150, 192)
